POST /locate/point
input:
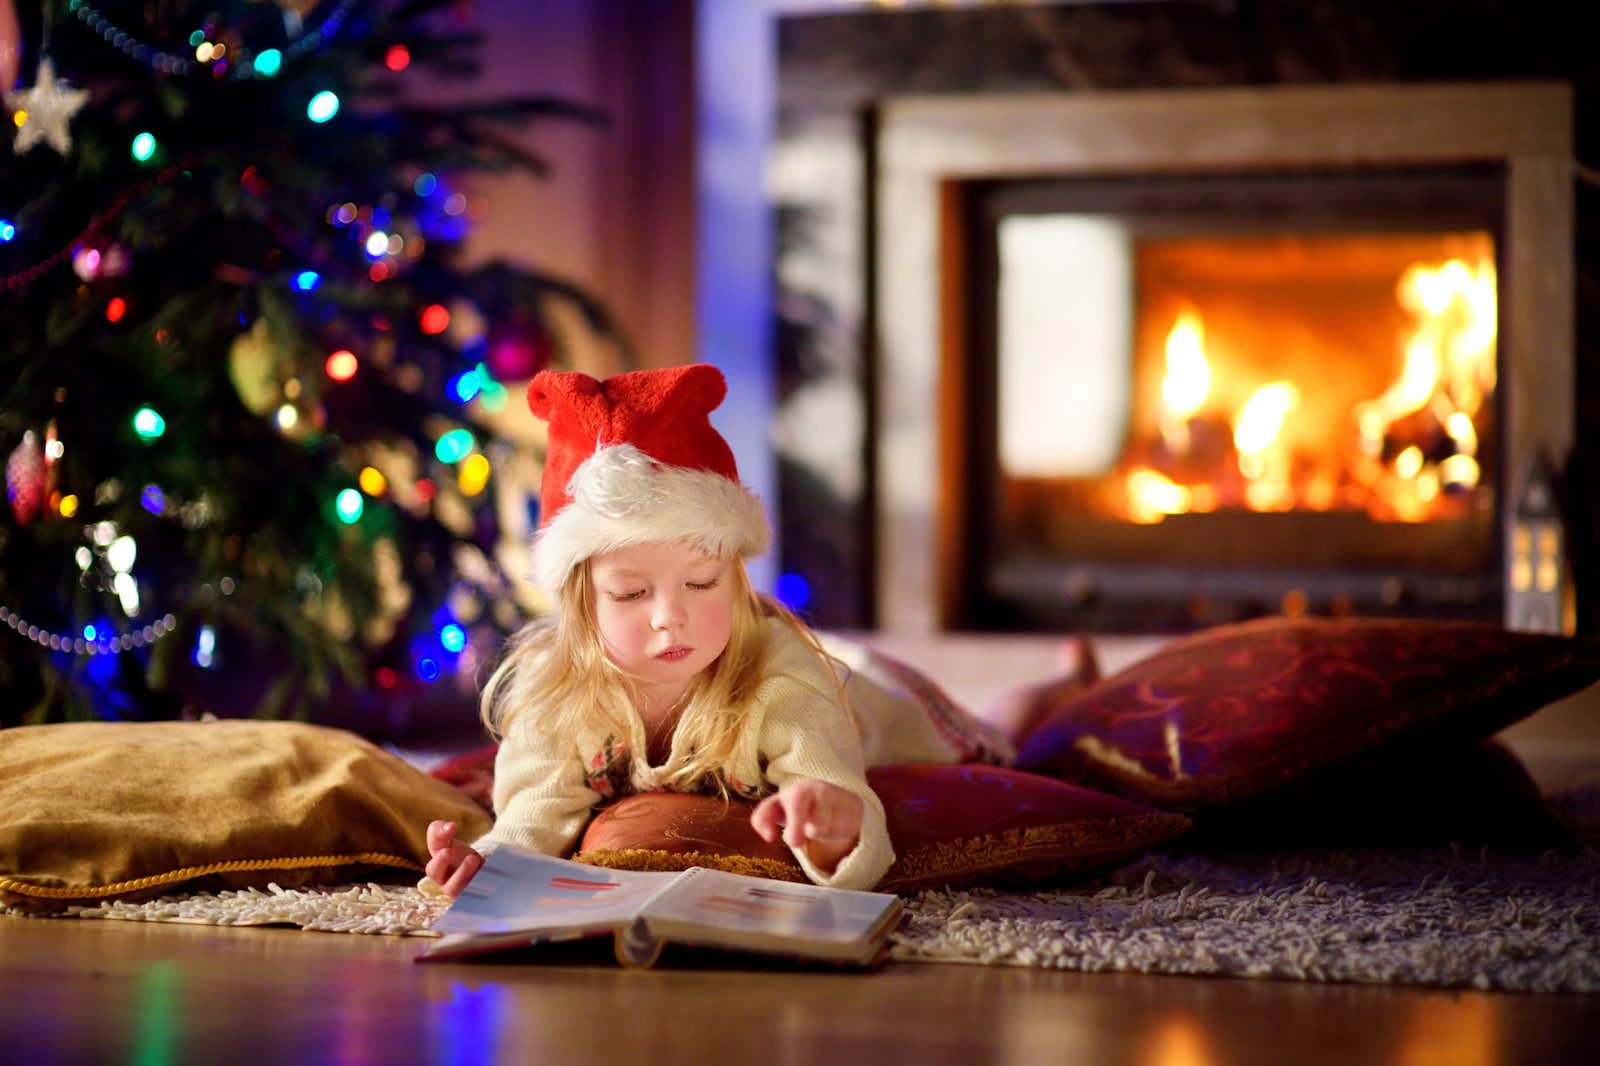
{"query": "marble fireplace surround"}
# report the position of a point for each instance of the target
(926, 145)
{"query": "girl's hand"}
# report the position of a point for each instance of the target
(823, 819)
(453, 864)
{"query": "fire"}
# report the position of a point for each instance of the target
(1153, 496)
(1408, 451)
(1188, 379)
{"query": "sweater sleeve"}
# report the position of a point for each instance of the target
(541, 799)
(806, 733)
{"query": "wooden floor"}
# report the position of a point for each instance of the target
(75, 991)
(78, 991)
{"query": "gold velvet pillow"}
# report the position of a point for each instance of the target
(104, 810)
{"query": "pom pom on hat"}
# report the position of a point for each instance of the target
(634, 459)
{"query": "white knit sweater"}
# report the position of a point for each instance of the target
(545, 792)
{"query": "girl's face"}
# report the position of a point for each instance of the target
(663, 611)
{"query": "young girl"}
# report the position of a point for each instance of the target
(661, 668)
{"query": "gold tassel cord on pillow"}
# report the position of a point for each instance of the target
(673, 861)
(172, 877)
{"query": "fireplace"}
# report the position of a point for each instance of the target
(1190, 398)
(1298, 348)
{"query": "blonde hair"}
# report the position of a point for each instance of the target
(555, 669)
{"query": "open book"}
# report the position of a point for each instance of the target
(521, 898)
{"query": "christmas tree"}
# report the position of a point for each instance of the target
(243, 364)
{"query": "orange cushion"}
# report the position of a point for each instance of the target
(950, 826)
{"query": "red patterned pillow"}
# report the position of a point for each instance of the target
(950, 826)
(1241, 710)
(471, 771)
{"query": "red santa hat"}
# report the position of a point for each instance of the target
(633, 460)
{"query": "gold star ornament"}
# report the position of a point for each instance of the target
(43, 112)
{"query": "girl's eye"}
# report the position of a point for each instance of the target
(624, 597)
(705, 586)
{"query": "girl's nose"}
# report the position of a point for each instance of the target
(669, 612)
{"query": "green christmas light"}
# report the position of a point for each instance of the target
(349, 506)
(454, 446)
(323, 106)
(148, 424)
(493, 397)
(144, 147)
(268, 63)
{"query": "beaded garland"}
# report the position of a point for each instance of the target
(56, 642)
(167, 63)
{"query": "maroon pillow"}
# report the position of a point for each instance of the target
(1242, 710)
(950, 826)
(471, 771)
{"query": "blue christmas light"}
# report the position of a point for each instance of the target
(323, 106)
(465, 385)
(152, 499)
(144, 146)
(268, 63)
(793, 591)
(205, 647)
(7, 230)
(90, 633)
(428, 670)
(453, 638)
(425, 184)
(306, 281)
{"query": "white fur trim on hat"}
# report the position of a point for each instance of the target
(620, 497)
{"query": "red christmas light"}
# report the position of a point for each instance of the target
(435, 318)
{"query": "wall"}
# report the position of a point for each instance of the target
(615, 213)
(664, 213)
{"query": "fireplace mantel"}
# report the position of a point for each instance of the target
(926, 145)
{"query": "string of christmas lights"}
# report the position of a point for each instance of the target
(33, 273)
(216, 63)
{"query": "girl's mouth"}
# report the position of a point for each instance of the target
(675, 653)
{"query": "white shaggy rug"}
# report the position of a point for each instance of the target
(1443, 918)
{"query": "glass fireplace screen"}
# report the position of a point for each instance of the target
(1219, 395)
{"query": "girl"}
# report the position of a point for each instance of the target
(661, 668)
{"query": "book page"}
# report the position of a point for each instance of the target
(760, 912)
(521, 891)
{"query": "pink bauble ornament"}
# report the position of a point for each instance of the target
(25, 475)
(518, 354)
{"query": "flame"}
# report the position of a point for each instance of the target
(1449, 369)
(1187, 382)
(1188, 376)
(1414, 452)
(1153, 496)
(1262, 418)
(1463, 432)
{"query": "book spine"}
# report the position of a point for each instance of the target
(636, 947)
